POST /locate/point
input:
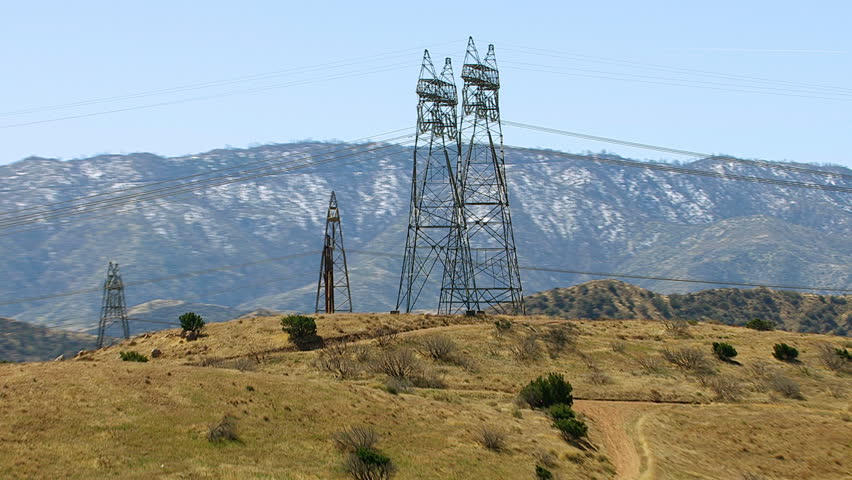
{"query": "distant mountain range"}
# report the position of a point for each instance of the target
(613, 299)
(568, 213)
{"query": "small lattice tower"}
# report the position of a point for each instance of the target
(333, 294)
(114, 307)
(484, 193)
(435, 237)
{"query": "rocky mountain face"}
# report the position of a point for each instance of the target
(613, 299)
(255, 244)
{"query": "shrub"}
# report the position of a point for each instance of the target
(302, 330)
(191, 323)
(725, 351)
(427, 378)
(557, 339)
(502, 325)
(132, 357)
(526, 349)
(649, 363)
(546, 391)
(337, 359)
(618, 346)
(561, 411)
(369, 464)
(687, 358)
(834, 359)
(397, 363)
(786, 386)
(677, 328)
(542, 473)
(491, 438)
(726, 389)
(386, 336)
(395, 385)
(571, 429)
(225, 430)
(761, 325)
(598, 377)
(352, 438)
(436, 347)
(784, 352)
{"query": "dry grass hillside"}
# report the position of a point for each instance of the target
(755, 418)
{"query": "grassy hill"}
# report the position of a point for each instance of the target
(794, 311)
(24, 342)
(98, 417)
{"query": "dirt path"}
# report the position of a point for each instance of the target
(611, 420)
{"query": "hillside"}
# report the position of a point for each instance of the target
(794, 311)
(256, 244)
(24, 342)
(97, 417)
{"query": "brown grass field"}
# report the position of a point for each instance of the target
(98, 417)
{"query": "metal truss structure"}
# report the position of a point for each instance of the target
(114, 307)
(333, 293)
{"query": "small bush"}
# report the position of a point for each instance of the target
(761, 325)
(369, 464)
(786, 386)
(491, 438)
(834, 359)
(395, 385)
(571, 429)
(725, 351)
(687, 358)
(726, 389)
(649, 363)
(545, 458)
(397, 363)
(337, 359)
(526, 349)
(598, 377)
(542, 473)
(561, 411)
(352, 438)
(677, 328)
(132, 357)
(784, 352)
(302, 330)
(502, 325)
(546, 391)
(386, 336)
(427, 378)
(225, 430)
(192, 324)
(558, 339)
(618, 346)
(436, 347)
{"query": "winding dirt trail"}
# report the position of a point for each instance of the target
(612, 420)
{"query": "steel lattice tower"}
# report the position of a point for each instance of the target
(333, 287)
(114, 308)
(485, 197)
(435, 225)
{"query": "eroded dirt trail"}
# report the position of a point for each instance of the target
(611, 420)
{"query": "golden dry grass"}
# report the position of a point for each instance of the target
(99, 417)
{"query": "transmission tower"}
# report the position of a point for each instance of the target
(333, 287)
(482, 181)
(435, 223)
(114, 308)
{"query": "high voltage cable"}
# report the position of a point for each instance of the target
(221, 82)
(627, 143)
(210, 172)
(666, 68)
(180, 189)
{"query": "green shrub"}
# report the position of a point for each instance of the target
(546, 391)
(542, 473)
(367, 463)
(302, 329)
(758, 324)
(571, 429)
(191, 323)
(560, 411)
(725, 351)
(843, 353)
(784, 352)
(502, 325)
(132, 357)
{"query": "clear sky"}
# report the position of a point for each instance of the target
(773, 81)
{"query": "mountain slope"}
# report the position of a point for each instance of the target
(568, 213)
(794, 311)
(24, 342)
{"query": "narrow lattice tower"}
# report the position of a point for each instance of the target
(333, 293)
(485, 197)
(114, 307)
(435, 232)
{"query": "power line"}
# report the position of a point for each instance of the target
(761, 163)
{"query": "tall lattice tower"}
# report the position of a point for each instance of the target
(485, 197)
(113, 308)
(435, 225)
(333, 294)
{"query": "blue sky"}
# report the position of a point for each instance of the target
(757, 79)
